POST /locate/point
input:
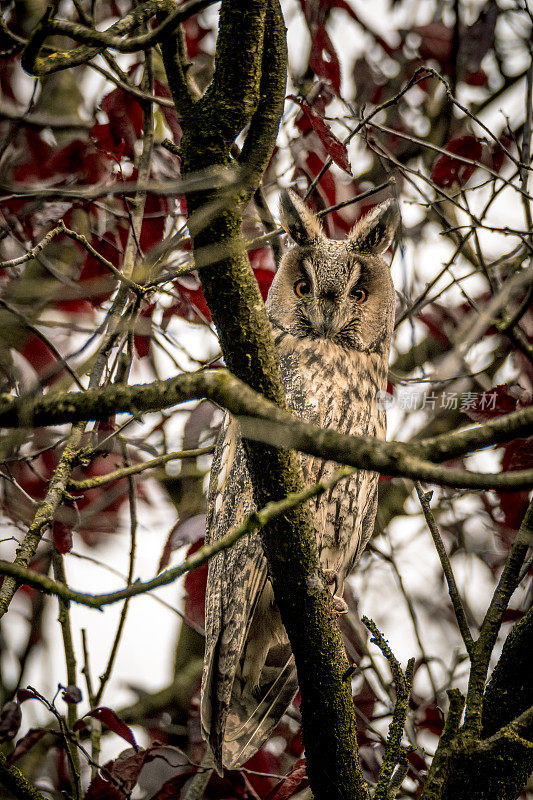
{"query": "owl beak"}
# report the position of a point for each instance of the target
(328, 313)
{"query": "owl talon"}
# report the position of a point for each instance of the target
(339, 605)
(331, 576)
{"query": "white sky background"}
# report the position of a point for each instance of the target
(146, 652)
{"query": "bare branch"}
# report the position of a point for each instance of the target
(455, 597)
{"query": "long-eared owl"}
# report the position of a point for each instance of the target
(331, 307)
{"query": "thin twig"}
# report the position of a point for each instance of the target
(135, 469)
(124, 611)
(70, 661)
(455, 597)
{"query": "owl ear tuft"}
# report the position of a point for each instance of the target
(375, 231)
(297, 220)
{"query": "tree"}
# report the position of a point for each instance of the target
(152, 230)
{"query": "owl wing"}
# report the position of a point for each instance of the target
(236, 578)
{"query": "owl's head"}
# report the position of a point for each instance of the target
(336, 290)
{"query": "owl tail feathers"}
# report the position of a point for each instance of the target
(250, 720)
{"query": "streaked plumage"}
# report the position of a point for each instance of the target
(331, 307)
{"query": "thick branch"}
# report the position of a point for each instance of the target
(280, 428)
(16, 783)
(510, 691)
(232, 97)
(260, 140)
(94, 42)
(493, 620)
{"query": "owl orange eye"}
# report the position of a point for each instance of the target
(302, 287)
(360, 295)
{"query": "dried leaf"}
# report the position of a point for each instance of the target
(333, 146)
(295, 780)
(108, 718)
(449, 171)
(62, 536)
(25, 744)
(10, 719)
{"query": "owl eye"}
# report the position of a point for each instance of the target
(302, 287)
(359, 295)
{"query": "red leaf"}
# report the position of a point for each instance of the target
(62, 536)
(125, 119)
(499, 400)
(337, 224)
(512, 614)
(38, 354)
(323, 59)
(195, 584)
(25, 694)
(143, 331)
(185, 531)
(62, 772)
(497, 153)
(106, 426)
(108, 718)
(156, 211)
(416, 761)
(171, 789)
(436, 42)
(38, 152)
(365, 701)
(194, 36)
(448, 171)
(295, 780)
(192, 305)
(333, 146)
(10, 719)
(103, 139)
(477, 78)
(102, 789)
(432, 720)
(517, 455)
(125, 769)
(259, 769)
(82, 159)
(25, 744)
(98, 277)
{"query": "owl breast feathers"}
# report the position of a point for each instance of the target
(331, 307)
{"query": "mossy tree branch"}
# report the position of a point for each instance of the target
(493, 751)
(404, 682)
(280, 427)
(16, 783)
(492, 622)
(95, 42)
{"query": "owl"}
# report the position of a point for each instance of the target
(331, 308)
